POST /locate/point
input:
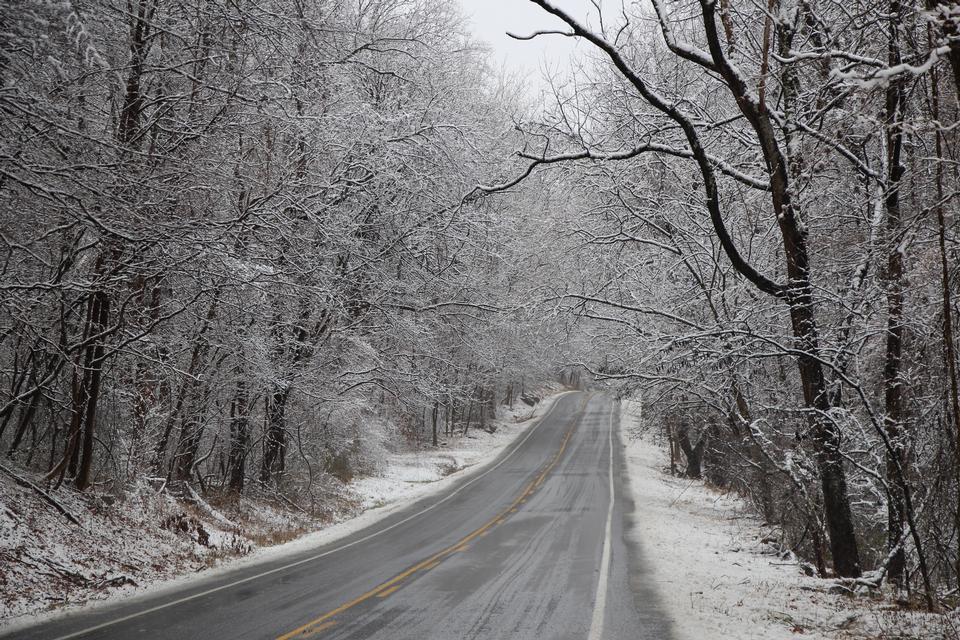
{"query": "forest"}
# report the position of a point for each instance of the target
(249, 247)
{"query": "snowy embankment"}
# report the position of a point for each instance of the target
(149, 542)
(411, 475)
(719, 579)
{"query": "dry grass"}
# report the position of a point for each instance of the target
(137, 539)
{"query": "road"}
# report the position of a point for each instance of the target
(533, 547)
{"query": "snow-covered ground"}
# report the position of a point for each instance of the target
(50, 565)
(718, 580)
(412, 474)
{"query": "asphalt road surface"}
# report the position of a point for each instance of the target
(531, 548)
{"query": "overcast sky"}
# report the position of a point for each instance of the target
(493, 18)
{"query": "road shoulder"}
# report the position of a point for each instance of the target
(718, 579)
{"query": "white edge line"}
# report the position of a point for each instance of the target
(172, 603)
(600, 604)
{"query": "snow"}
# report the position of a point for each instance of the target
(145, 561)
(49, 562)
(717, 578)
(411, 475)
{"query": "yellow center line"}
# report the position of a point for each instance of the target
(386, 592)
(386, 588)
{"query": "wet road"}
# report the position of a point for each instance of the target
(533, 547)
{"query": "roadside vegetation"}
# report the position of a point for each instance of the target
(769, 192)
(251, 249)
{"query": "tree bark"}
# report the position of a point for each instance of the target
(275, 446)
(693, 453)
(893, 386)
(949, 350)
(140, 33)
(100, 314)
(239, 437)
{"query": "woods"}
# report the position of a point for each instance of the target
(236, 255)
(249, 247)
(772, 190)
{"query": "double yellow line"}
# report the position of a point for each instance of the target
(386, 588)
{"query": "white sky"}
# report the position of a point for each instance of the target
(491, 20)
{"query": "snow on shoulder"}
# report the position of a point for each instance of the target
(412, 474)
(717, 577)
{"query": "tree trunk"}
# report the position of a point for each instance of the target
(275, 447)
(466, 426)
(799, 297)
(77, 458)
(676, 454)
(949, 350)
(482, 409)
(191, 431)
(101, 313)
(693, 453)
(133, 100)
(239, 437)
(893, 388)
